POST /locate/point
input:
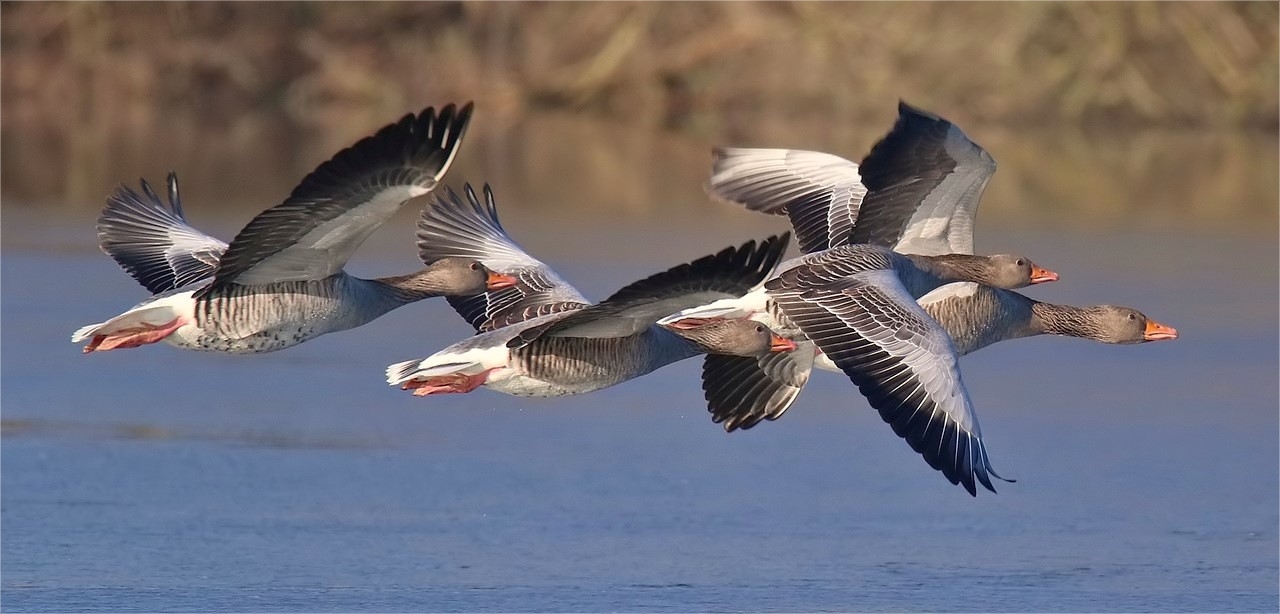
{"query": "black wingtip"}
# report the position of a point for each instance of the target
(734, 269)
(999, 477)
(124, 196)
(428, 141)
(416, 150)
(907, 111)
(146, 189)
(450, 125)
(452, 197)
(431, 138)
(175, 202)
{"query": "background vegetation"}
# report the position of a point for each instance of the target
(679, 63)
(1137, 110)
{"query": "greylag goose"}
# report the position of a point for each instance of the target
(857, 305)
(917, 192)
(541, 338)
(925, 195)
(862, 317)
(928, 178)
(978, 315)
(281, 281)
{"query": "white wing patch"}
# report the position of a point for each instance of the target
(957, 290)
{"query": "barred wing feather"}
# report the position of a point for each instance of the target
(902, 362)
(313, 233)
(452, 226)
(819, 192)
(924, 180)
(153, 242)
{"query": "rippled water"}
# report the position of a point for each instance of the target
(155, 479)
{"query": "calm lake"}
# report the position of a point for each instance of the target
(161, 480)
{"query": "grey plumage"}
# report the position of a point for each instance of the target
(453, 227)
(920, 188)
(917, 191)
(597, 346)
(976, 316)
(924, 180)
(900, 359)
(616, 340)
(280, 282)
(154, 243)
(743, 390)
(313, 233)
(819, 192)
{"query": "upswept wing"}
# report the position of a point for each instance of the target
(453, 227)
(313, 233)
(819, 192)
(733, 271)
(153, 242)
(924, 180)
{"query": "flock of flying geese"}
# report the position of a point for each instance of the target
(887, 290)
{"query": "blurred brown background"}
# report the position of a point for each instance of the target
(1123, 111)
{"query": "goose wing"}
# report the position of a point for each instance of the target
(733, 271)
(336, 207)
(153, 242)
(453, 227)
(819, 192)
(923, 181)
(742, 390)
(900, 359)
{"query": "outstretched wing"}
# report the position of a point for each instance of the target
(153, 242)
(336, 207)
(924, 180)
(733, 271)
(452, 227)
(901, 360)
(819, 192)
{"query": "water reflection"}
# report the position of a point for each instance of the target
(137, 431)
(567, 165)
(284, 461)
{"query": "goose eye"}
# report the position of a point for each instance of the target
(1133, 317)
(1021, 262)
(475, 266)
(759, 329)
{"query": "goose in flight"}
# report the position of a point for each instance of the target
(541, 337)
(916, 192)
(281, 281)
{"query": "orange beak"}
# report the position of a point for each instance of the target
(778, 344)
(498, 281)
(1156, 331)
(1039, 275)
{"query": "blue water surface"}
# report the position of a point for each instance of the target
(161, 480)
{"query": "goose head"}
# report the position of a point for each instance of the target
(1114, 324)
(731, 337)
(457, 277)
(1011, 271)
